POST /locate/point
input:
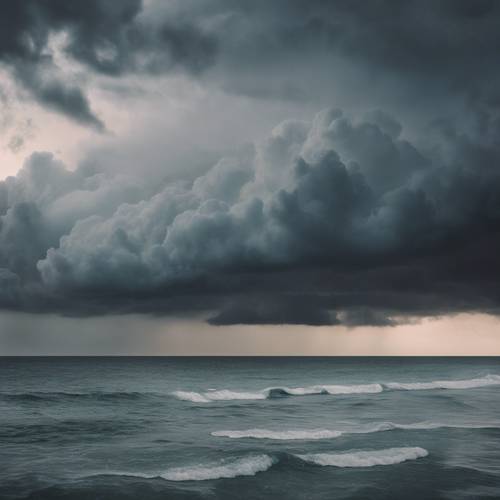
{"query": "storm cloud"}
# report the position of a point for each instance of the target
(340, 219)
(106, 37)
(432, 50)
(374, 214)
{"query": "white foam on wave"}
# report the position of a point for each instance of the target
(221, 395)
(270, 392)
(327, 389)
(425, 425)
(304, 434)
(194, 397)
(446, 384)
(389, 456)
(247, 466)
(227, 395)
(354, 389)
(316, 434)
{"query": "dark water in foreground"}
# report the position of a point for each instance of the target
(260, 428)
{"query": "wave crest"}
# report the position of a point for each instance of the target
(323, 389)
(305, 434)
(247, 466)
(279, 392)
(389, 456)
(316, 434)
(275, 392)
(221, 395)
(446, 384)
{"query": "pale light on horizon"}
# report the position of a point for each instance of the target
(27, 334)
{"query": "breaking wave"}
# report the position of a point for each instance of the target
(251, 465)
(277, 392)
(279, 435)
(446, 384)
(389, 456)
(316, 434)
(222, 395)
(245, 466)
(323, 389)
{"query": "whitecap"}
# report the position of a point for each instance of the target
(312, 434)
(317, 434)
(389, 456)
(220, 395)
(425, 425)
(194, 397)
(324, 389)
(445, 384)
(247, 466)
(273, 392)
(226, 395)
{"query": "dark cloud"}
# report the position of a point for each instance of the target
(350, 219)
(107, 37)
(430, 50)
(338, 220)
(278, 310)
(58, 95)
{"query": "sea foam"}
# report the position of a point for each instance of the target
(446, 384)
(277, 392)
(244, 466)
(316, 434)
(247, 466)
(305, 434)
(389, 456)
(221, 395)
(323, 389)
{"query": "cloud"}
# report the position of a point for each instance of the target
(291, 310)
(107, 38)
(262, 50)
(341, 219)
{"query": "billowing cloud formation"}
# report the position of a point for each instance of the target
(261, 49)
(337, 220)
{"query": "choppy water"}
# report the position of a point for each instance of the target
(250, 428)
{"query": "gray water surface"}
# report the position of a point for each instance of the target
(295, 428)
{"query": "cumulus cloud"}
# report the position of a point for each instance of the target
(341, 219)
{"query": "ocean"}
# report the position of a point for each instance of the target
(249, 428)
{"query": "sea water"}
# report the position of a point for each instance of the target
(250, 428)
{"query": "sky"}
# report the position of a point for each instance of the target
(266, 177)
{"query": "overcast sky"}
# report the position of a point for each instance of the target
(240, 177)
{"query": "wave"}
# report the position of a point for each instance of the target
(248, 466)
(316, 434)
(275, 392)
(222, 395)
(389, 456)
(312, 434)
(446, 384)
(245, 466)
(251, 465)
(278, 392)
(425, 425)
(323, 389)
